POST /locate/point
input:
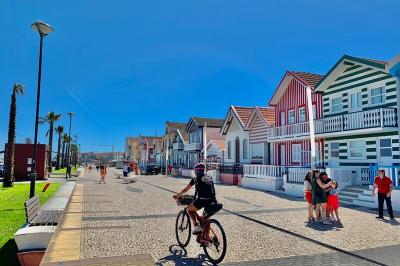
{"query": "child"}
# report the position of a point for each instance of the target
(308, 196)
(333, 202)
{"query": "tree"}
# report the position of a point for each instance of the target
(18, 89)
(50, 118)
(59, 131)
(64, 146)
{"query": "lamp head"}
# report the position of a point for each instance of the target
(70, 113)
(41, 27)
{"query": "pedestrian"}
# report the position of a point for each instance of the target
(319, 196)
(308, 196)
(97, 167)
(90, 168)
(325, 180)
(103, 172)
(333, 202)
(385, 187)
(125, 170)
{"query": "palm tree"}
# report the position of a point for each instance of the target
(64, 146)
(59, 131)
(18, 89)
(50, 118)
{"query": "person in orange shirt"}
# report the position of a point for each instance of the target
(103, 172)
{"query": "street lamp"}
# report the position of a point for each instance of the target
(69, 146)
(43, 29)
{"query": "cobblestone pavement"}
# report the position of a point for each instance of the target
(262, 229)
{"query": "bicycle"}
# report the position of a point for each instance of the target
(212, 238)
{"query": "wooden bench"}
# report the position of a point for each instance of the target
(35, 216)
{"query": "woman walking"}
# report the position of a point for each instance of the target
(319, 196)
(103, 172)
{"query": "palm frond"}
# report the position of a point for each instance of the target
(18, 89)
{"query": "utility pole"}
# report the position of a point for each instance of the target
(311, 124)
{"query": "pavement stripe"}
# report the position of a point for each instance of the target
(285, 231)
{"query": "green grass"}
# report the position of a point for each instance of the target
(12, 216)
(64, 170)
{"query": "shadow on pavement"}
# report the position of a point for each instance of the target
(324, 227)
(178, 257)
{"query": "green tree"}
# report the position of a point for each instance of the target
(64, 147)
(59, 131)
(50, 118)
(18, 89)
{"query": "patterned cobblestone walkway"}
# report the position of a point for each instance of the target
(262, 229)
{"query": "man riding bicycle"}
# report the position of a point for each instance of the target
(204, 196)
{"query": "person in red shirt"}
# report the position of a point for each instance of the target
(385, 187)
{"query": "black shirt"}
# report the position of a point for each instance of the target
(204, 187)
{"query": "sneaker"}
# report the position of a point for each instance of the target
(197, 229)
(326, 222)
(379, 217)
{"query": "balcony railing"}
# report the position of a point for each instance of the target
(297, 174)
(193, 147)
(178, 146)
(375, 118)
(231, 169)
(381, 117)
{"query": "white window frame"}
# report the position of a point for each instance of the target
(351, 149)
(382, 95)
(283, 118)
(385, 148)
(358, 96)
(302, 116)
(334, 149)
(338, 104)
(289, 116)
(245, 144)
(296, 153)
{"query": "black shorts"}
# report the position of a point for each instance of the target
(201, 203)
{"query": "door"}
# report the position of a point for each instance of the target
(283, 154)
(334, 155)
(385, 152)
(266, 153)
(355, 101)
(237, 150)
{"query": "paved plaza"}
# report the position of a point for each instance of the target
(133, 224)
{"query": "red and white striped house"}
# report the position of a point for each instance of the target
(261, 118)
(290, 139)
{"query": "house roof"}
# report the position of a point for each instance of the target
(241, 113)
(350, 60)
(178, 127)
(307, 79)
(201, 122)
(219, 143)
(268, 113)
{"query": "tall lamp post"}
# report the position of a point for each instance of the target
(69, 146)
(43, 29)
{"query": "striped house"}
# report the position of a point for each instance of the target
(261, 118)
(359, 123)
(290, 138)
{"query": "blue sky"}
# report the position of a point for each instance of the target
(125, 67)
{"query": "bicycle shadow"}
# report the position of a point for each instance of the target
(178, 256)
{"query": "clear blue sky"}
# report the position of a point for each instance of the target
(125, 67)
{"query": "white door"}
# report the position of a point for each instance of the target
(283, 118)
(384, 153)
(355, 101)
(334, 154)
(283, 154)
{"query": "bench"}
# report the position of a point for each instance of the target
(36, 217)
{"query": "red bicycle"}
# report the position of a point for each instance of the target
(212, 238)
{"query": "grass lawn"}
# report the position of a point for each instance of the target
(12, 216)
(64, 170)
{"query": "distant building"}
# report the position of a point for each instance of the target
(144, 149)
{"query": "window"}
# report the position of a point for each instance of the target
(336, 105)
(302, 114)
(356, 100)
(385, 147)
(378, 95)
(296, 153)
(291, 117)
(283, 119)
(229, 150)
(314, 111)
(245, 149)
(357, 149)
(334, 149)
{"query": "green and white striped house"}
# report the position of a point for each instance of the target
(360, 123)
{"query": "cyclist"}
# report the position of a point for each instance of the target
(204, 196)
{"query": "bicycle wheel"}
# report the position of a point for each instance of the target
(215, 249)
(183, 228)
